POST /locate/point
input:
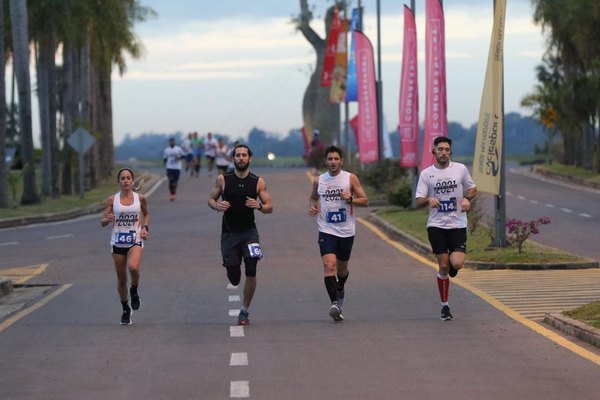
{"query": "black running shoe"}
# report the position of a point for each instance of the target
(446, 316)
(126, 317)
(135, 299)
(452, 271)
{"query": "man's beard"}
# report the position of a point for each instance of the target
(241, 167)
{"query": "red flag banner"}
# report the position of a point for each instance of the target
(368, 146)
(331, 49)
(436, 122)
(408, 128)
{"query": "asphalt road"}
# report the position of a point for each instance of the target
(183, 343)
(573, 211)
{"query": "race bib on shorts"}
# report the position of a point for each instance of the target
(447, 206)
(334, 217)
(124, 238)
(255, 250)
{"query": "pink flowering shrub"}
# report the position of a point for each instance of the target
(518, 231)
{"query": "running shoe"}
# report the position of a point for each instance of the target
(243, 318)
(135, 299)
(340, 296)
(335, 312)
(172, 197)
(126, 317)
(452, 271)
(446, 316)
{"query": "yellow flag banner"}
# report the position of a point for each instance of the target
(490, 130)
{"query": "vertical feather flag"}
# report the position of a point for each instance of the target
(408, 127)
(490, 130)
(368, 143)
(436, 119)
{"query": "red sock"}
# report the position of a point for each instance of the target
(443, 286)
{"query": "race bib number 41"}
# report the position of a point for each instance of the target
(334, 217)
(125, 238)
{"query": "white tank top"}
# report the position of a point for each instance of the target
(337, 216)
(127, 228)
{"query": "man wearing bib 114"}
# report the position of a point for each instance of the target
(128, 213)
(447, 188)
(334, 196)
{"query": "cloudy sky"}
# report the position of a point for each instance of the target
(230, 65)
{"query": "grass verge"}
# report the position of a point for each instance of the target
(589, 313)
(414, 222)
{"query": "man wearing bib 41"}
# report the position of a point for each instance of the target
(128, 213)
(447, 188)
(334, 196)
(241, 193)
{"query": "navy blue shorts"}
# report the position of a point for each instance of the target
(124, 250)
(447, 240)
(340, 246)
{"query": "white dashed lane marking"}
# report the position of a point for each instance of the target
(239, 389)
(238, 359)
(550, 205)
(234, 298)
(234, 312)
(9, 244)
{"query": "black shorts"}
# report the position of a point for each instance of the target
(447, 240)
(173, 174)
(340, 246)
(235, 246)
(124, 250)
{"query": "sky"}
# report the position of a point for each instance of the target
(230, 65)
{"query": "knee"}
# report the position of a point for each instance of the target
(234, 275)
(329, 267)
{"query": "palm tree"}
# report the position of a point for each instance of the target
(20, 36)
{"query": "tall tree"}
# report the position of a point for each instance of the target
(111, 37)
(3, 169)
(20, 36)
(572, 28)
(317, 111)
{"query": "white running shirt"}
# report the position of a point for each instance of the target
(171, 154)
(127, 227)
(447, 185)
(336, 217)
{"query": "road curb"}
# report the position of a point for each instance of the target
(425, 250)
(572, 327)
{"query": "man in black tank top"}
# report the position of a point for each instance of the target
(237, 194)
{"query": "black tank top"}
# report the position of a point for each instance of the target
(238, 217)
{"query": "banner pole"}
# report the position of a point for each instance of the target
(500, 199)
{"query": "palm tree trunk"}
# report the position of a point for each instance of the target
(19, 27)
(43, 95)
(3, 170)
